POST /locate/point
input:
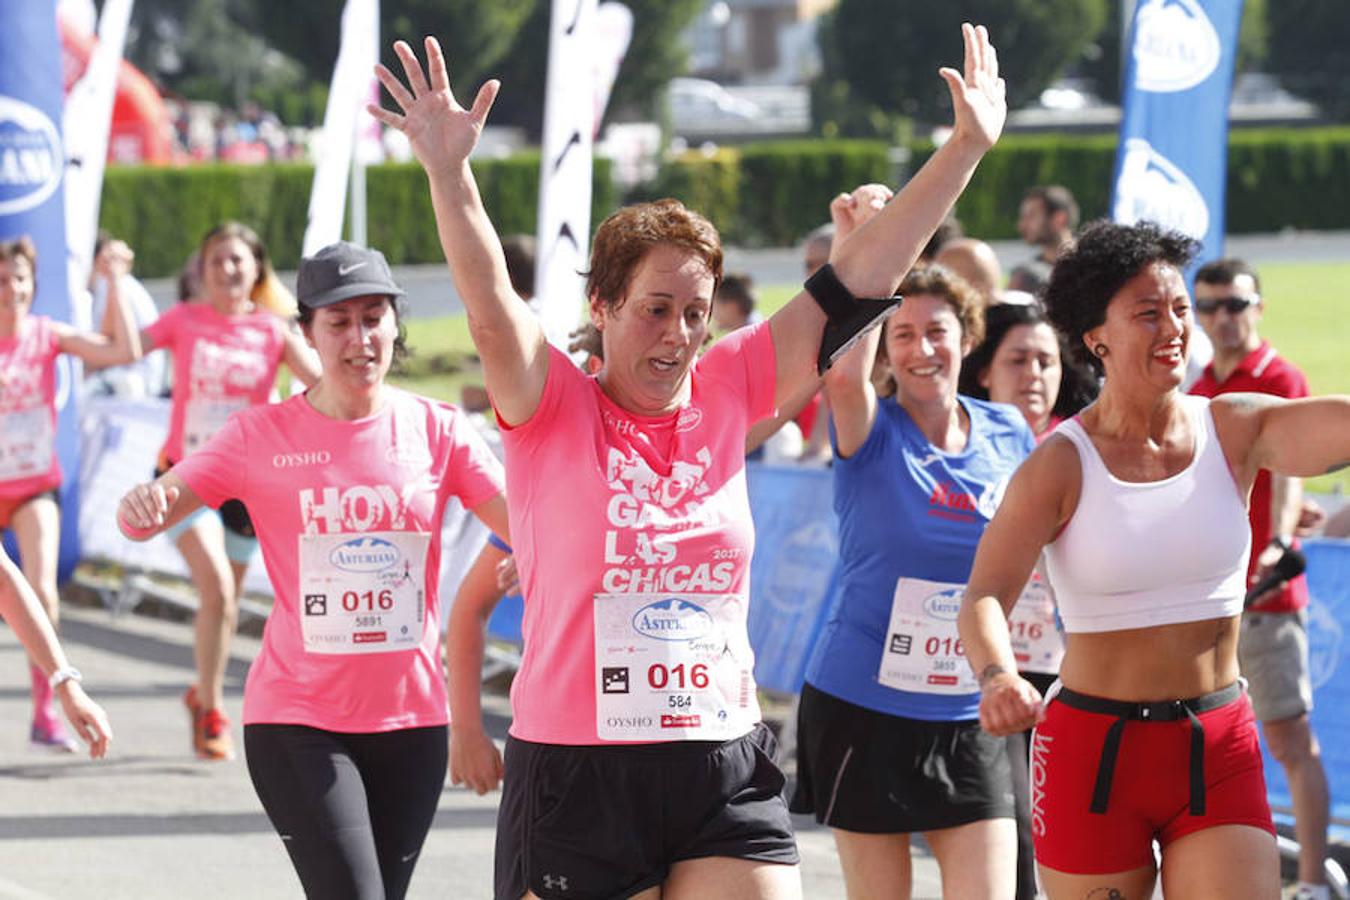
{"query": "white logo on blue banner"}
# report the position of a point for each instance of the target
(1151, 187)
(1324, 643)
(1176, 46)
(804, 563)
(31, 159)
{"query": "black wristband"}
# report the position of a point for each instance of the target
(1280, 542)
(830, 294)
(847, 318)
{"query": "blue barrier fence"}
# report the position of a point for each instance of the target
(795, 543)
(1329, 657)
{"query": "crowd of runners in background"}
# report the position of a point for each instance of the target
(1054, 560)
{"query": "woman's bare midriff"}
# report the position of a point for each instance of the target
(1162, 662)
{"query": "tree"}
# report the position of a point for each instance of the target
(475, 34)
(655, 55)
(889, 53)
(201, 50)
(1310, 51)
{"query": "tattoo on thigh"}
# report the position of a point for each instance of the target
(1105, 893)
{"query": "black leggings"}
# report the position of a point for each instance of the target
(351, 809)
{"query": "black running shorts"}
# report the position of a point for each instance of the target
(867, 771)
(610, 821)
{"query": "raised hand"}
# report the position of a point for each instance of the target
(852, 210)
(441, 132)
(114, 260)
(979, 96)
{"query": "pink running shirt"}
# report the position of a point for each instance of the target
(604, 501)
(221, 364)
(349, 517)
(28, 460)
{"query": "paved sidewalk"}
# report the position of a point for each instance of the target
(152, 822)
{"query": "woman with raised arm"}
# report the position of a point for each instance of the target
(227, 346)
(1139, 505)
(345, 706)
(637, 763)
(30, 472)
(888, 739)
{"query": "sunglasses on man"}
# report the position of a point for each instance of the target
(1234, 305)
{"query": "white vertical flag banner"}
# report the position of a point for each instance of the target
(347, 97)
(565, 168)
(86, 120)
(613, 33)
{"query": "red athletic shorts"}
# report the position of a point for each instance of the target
(1150, 792)
(10, 505)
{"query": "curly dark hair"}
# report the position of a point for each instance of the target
(1087, 275)
(1077, 385)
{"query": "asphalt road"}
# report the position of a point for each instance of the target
(151, 822)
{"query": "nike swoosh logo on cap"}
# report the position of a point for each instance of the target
(346, 270)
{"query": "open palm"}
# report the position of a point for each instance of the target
(979, 96)
(442, 133)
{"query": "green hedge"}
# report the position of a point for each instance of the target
(163, 212)
(1277, 178)
(769, 193)
(988, 207)
(787, 186)
(761, 194)
(1288, 178)
(707, 183)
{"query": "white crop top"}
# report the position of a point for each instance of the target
(1136, 554)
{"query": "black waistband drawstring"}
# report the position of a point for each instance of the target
(1165, 711)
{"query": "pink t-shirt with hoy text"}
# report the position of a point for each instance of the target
(348, 515)
(637, 529)
(221, 364)
(28, 460)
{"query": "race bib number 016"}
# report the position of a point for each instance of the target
(673, 667)
(922, 651)
(25, 443)
(1037, 644)
(362, 593)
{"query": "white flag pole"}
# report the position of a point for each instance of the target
(86, 121)
(586, 43)
(565, 170)
(347, 96)
(368, 148)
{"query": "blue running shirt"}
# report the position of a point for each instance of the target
(907, 509)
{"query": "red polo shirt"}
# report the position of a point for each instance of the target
(1262, 371)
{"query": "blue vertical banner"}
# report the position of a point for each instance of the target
(1172, 162)
(32, 168)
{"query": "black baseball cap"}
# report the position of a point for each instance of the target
(341, 271)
